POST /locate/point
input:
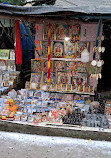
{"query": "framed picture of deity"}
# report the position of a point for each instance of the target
(45, 65)
(80, 47)
(74, 32)
(80, 80)
(3, 64)
(4, 54)
(27, 85)
(61, 97)
(74, 88)
(70, 66)
(43, 87)
(82, 67)
(48, 87)
(45, 31)
(61, 31)
(63, 87)
(33, 85)
(91, 89)
(6, 84)
(57, 49)
(86, 89)
(59, 87)
(12, 54)
(80, 89)
(38, 86)
(44, 50)
(68, 97)
(11, 65)
(36, 66)
(52, 77)
(53, 87)
(69, 51)
(36, 77)
(59, 65)
(64, 78)
(69, 87)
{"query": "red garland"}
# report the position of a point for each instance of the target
(18, 49)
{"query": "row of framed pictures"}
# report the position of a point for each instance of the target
(57, 65)
(60, 78)
(7, 65)
(61, 49)
(7, 54)
(60, 31)
(59, 87)
(6, 84)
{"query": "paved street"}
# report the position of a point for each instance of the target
(15, 145)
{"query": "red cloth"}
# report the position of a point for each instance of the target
(18, 49)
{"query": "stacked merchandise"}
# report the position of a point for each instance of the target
(8, 74)
(35, 107)
(107, 111)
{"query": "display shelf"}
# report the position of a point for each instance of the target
(64, 59)
(84, 93)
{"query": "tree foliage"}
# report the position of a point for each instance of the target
(13, 2)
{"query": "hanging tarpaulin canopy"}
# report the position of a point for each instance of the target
(18, 49)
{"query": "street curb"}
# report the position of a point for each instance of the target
(54, 131)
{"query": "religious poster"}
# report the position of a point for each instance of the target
(58, 49)
(36, 65)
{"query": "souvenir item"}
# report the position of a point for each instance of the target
(52, 77)
(44, 118)
(1, 77)
(12, 54)
(74, 32)
(11, 65)
(69, 108)
(3, 64)
(60, 97)
(81, 67)
(44, 49)
(62, 105)
(1, 84)
(80, 89)
(70, 66)
(37, 94)
(64, 78)
(44, 104)
(36, 77)
(37, 118)
(91, 89)
(6, 76)
(80, 47)
(80, 80)
(48, 87)
(43, 87)
(77, 97)
(58, 49)
(59, 87)
(52, 96)
(74, 88)
(53, 87)
(27, 85)
(36, 65)
(45, 31)
(59, 65)
(86, 88)
(68, 97)
(45, 65)
(38, 86)
(63, 87)
(32, 85)
(69, 87)
(11, 83)
(61, 31)
(69, 50)
(6, 84)
(4, 54)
